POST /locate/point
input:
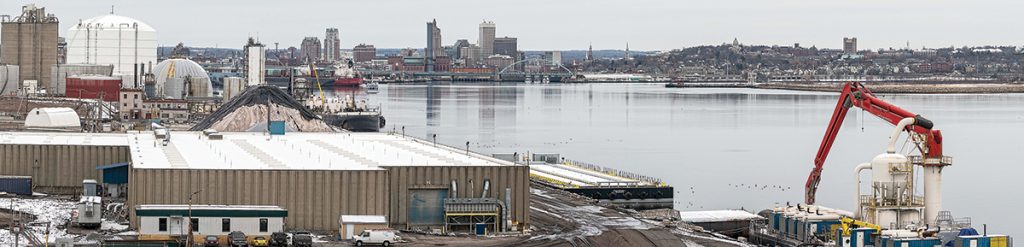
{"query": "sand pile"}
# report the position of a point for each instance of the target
(248, 112)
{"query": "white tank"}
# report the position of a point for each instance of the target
(112, 40)
(882, 164)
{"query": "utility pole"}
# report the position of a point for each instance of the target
(188, 242)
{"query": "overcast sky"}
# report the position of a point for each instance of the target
(568, 25)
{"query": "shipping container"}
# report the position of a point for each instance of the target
(18, 185)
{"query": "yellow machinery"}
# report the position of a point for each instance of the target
(849, 224)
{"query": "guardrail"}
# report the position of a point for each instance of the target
(614, 172)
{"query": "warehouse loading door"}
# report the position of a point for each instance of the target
(426, 206)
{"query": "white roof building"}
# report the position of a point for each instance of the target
(294, 151)
(56, 118)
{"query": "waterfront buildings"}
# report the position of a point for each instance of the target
(459, 45)
(850, 45)
(332, 45)
(364, 52)
(310, 49)
(499, 62)
(30, 42)
(433, 45)
(506, 46)
(486, 39)
(554, 56)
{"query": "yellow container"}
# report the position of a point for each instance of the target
(998, 241)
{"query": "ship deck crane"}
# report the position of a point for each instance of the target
(926, 140)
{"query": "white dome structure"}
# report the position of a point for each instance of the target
(113, 40)
(177, 78)
(56, 118)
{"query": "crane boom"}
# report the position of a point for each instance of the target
(855, 94)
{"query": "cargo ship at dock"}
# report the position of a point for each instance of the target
(605, 185)
(328, 77)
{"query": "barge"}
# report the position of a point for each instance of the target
(606, 185)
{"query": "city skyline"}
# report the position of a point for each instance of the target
(646, 25)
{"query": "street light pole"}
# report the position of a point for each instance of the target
(188, 242)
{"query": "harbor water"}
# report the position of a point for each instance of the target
(723, 148)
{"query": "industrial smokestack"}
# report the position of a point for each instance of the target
(136, 68)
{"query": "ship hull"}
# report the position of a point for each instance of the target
(355, 121)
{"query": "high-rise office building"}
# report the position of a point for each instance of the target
(364, 52)
(486, 39)
(30, 41)
(459, 44)
(506, 46)
(850, 45)
(332, 45)
(310, 50)
(433, 49)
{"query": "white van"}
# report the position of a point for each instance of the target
(381, 237)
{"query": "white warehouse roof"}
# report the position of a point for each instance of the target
(366, 219)
(62, 138)
(295, 151)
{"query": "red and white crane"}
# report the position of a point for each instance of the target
(926, 140)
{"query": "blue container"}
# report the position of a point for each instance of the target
(277, 127)
(18, 185)
(481, 229)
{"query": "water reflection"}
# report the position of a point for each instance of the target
(715, 139)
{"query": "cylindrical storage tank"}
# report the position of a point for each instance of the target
(881, 165)
(932, 193)
(18, 185)
(94, 87)
(112, 39)
(9, 79)
(177, 78)
(886, 186)
(233, 86)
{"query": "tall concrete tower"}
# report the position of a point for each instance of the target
(433, 48)
(30, 41)
(332, 45)
(255, 62)
(486, 40)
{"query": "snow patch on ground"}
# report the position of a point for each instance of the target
(589, 209)
(57, 212)
(626, 222)
(114, 226)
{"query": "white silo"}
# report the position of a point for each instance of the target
(115, 40)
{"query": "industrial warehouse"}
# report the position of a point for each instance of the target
(316, 177)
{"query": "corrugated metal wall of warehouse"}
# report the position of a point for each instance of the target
(314, 198)
(58, 169)
(404, 178)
